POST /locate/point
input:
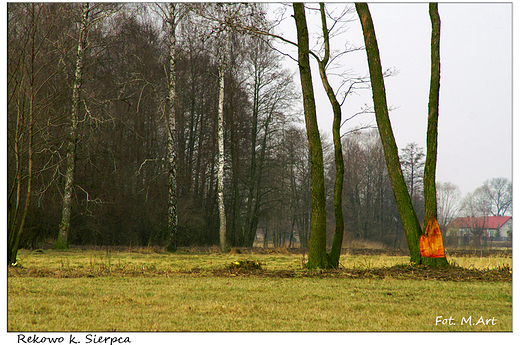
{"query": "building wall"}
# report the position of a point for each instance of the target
(504, 229)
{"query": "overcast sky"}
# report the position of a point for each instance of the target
(475, 121)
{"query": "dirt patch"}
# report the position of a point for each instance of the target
(401, 272)
(412, 272)
(480, 253)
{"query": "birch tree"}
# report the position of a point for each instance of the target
(64, 227)
(224, 15)
(222, 66)
(90, 15)
(175, 14)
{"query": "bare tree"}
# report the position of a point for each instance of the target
(176, 12)
(370, 210)
(64, 227)
(477, 207)
(225, 16)
(122, 110)
(448, 203)
(220, 137)
(412, 164)
(409, 218)
(430, 192)
(407, 211)
(317, 248)
(430, 195)
(338, 151)
(296, 156)
(500, 194)
(323, 63)
(36, 93)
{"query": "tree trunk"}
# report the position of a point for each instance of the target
(407, 213)
(64, 227)
(13, 211)
(236, 233)
(338, 151)
(15, 233)
(430, 192)
(249, 226)
(13, 249)
(18, 228)
(172, 153)
(318, 257)
(220, 139)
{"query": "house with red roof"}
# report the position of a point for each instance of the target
(497, 229)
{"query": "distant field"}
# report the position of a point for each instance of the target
(147, 290)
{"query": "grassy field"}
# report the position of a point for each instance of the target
(98, 290)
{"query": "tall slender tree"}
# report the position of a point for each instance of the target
(220, 138)
(409, 219)
(318, 257)
(26, 67)
(407, 212)
(430, 191)
(72, 140)
(430, 194)
(338, 150)
(175, 14)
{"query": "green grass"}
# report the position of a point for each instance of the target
(159, 301)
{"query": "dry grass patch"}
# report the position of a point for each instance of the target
(251, 304)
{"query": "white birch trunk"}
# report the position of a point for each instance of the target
(220, 174)
(172, 168)
(64, 228)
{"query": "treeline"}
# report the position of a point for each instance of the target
(120, 194)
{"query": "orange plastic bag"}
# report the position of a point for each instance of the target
(430, 243)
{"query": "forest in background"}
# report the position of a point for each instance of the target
(120, 194)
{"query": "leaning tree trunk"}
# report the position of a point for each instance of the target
(411, 225)
(172, 157)
(318, 257)
(338, 151)
(220, 139)
(64, 228)
(430, 192)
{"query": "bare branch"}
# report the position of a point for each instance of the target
(146, 161)
(358, 129)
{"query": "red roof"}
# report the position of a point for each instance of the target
(492, 222)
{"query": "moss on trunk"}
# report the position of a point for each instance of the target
(318, 257)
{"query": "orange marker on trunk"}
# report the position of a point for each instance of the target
(430, 243)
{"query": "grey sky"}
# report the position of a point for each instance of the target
(475, 121)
